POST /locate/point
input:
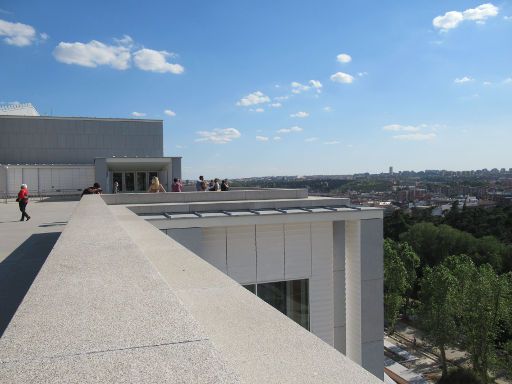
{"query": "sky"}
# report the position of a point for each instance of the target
(278, 87)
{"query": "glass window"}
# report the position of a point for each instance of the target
(141, 181)
(273, 294)
(250, 287)
(289, 297)
(297, 301)
(129, 180)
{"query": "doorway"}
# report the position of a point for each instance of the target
(133, 181)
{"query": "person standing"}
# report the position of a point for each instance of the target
(224, 186)
(199, 184)
(116, 187)
(177, 185)
(214, 186)
(155, 186)
(23, 201)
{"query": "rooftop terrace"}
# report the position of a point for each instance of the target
(119, 301)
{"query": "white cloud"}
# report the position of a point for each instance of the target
(344, 58)
(253, 99)
(332, 142)
(300, 115)
(155, 61)
(327, 109)
(277, 138)
(507, 18)
(449, 20)
(507, 80)
(362, 74)
(298, 87)
(452, 19)
(487, 83)
(415, 136)
(403, 128)
(341, 77)
(311, 139)
(463, 80)
(281, 98)
(276, 105)
(219, 136)
(92, 54)
(138, 114)
(290, 130)
(258, 110)
(316, 84)
(261, 138)
(118, 56)
(17, 34)
(170, 113)
(482, 12)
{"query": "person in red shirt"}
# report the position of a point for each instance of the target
(23, 201)
(177, 185)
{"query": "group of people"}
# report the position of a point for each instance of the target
(213, 185)
(155, 187)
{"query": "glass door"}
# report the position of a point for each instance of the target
(142, 184)
(129, 181)
(117, 176)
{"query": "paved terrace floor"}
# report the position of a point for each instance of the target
(24, 247)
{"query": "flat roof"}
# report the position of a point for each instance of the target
(247, 212)
(77, 118)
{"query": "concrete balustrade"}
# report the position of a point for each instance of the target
(189, 197)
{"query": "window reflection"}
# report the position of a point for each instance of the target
(289, 297)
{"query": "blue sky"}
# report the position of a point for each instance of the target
(277, 87)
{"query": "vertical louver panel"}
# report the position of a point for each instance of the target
(270, 246)
(241, 253)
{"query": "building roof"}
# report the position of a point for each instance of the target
(26, 109)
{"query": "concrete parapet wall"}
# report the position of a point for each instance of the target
(119, 301)
(189, 197)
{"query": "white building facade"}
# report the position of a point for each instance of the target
(317, 260)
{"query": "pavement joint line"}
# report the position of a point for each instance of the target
(54, 357)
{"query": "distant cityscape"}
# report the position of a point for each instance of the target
(435, 189)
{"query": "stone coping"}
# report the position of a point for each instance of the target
(189, 197)
(119, 301)
(209, 206)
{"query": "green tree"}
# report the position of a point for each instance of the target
(481, 308)
(395, 284)
(436, 311)
(411, 263)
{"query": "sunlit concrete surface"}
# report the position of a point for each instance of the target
(102, 310)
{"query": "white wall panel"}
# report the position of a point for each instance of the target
(297, 251)
(213, 249)
(45, 179)
(241, 253)
(30, 178)
(321, 282)
(190, 238)
(270, 252)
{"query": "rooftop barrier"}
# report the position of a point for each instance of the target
(190, 197)
(119, 301)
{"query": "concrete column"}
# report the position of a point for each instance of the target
(364, 279)
(176, 167)
(339, 286)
